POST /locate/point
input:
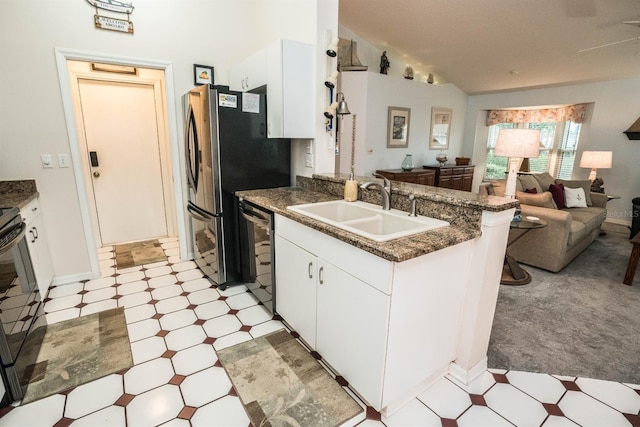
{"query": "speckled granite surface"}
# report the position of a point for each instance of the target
(463, 211)
(17, 193)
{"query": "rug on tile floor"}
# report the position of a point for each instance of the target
(280, 383)
(73, 352)
(139, 253)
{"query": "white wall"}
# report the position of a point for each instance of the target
(214, 32)
(369, 95)
(615, 108)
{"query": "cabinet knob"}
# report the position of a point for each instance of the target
(96, 174)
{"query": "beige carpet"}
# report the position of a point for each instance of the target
(66, 354)
(281, 384)
(139, 253)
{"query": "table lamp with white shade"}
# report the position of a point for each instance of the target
(596, 160)
(516, 144)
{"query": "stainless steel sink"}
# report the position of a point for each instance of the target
(368, 220)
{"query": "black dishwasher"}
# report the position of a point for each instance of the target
(257, 252)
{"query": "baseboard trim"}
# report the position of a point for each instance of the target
(71, 278)
(467, 376)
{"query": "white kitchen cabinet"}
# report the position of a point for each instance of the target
(38, 246)
(287, 69)
(290, 90)
(296, 272)
(250, 73)
(390, 329)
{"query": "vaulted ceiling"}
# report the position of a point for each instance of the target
(499, 45)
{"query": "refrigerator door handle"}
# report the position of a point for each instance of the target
(198, 213)
(192, 158)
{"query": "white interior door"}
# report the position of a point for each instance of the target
(120, 123)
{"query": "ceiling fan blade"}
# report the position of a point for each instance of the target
(608, 44)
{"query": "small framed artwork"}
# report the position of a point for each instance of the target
(398, 127)
(202, 74)
(440, 128)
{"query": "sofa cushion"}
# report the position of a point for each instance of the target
(557, 190)
(544, 200)
(585, 184)
(544, 179)
(591, 217)
(574, 197)
(528, 181)
(577, 231)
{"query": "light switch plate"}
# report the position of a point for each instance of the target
(63, 160)
(46, 160)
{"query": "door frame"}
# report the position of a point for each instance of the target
(157, 85)
(82, 186)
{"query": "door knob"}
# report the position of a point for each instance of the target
(96, 174)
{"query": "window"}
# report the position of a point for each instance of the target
(557, 156)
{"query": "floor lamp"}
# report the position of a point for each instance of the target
(516, 144)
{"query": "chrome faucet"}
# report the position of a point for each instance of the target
(412, 200)
(385, 190)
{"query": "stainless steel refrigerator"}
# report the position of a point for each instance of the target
(227, 150)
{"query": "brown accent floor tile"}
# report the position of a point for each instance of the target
(277, 317)
(500, 378)
(372, 414)
(245, 328)
(218, 364)
(570, 385)
(233, 311)
(82, 292)
(63, 422)
(342, 381)
(153, 301)
(316, 355)
(162, 333)
(184, 294)
(168, 354)
(232, 391)
(295, 334)
(146, 279)
(177, 379)
(633, 419)
(4, 411)
(477, 399)
(187, 412)
(149, 290)
(116, 297)
(553, 409)
(82, 304)
(124, 400)
(157, 316)
(448, 422)
(192, 306)
(209, 340)
(222, 298)
(199, 322)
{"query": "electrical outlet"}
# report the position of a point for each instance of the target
(63, 160)
(46, 160)
(308, 160)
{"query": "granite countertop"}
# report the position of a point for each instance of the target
(17, 194)
(398, 250)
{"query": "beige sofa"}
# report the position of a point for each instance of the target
(569, 231)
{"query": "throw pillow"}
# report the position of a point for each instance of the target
(531, 191)
(557, 191)
(544, 179)
(585, 184)
(574, 197)
(543, 200)
(528, 181)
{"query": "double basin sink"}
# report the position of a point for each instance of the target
(368, 220)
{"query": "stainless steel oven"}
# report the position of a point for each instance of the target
(20, 302)
(257, 253)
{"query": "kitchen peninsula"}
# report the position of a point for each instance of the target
(358, 302)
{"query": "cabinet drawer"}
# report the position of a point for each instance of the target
(446, 171)
(30, 211)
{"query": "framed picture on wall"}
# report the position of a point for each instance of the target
(398, 127)
(440, 128)
(202, 74)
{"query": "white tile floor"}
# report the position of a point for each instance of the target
(177, 320)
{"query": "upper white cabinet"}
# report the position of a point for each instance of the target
(38, 246)
(287, 68)
(250, 73)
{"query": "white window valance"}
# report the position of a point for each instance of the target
(573, 113)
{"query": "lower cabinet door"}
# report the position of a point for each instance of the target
(39, 252)
(296, 288)
(352, 329)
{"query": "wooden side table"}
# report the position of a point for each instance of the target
(512, 273)
(633, 261)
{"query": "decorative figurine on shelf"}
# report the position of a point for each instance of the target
(384, 63)
(408, 73)
(442, 158)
